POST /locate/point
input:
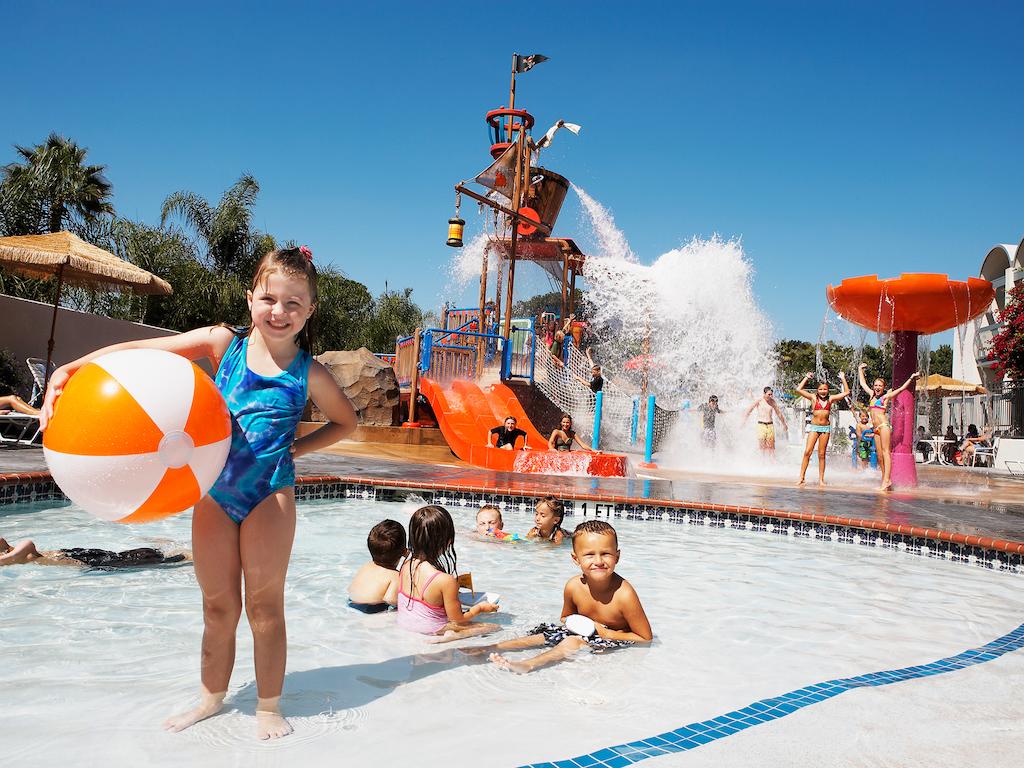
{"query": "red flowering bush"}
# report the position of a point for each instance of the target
(1007, 348)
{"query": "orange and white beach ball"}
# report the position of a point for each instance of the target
(138, 435)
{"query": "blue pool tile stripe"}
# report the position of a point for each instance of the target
(696, 735)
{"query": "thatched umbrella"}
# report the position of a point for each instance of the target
(72, 260)
(939, 385)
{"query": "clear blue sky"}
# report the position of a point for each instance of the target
(836, 138)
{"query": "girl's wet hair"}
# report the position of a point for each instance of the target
(557, 509)
(291, 262)
(432, 539)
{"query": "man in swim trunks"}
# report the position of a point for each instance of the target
(767, 407)
(26, 552)
(598, 593)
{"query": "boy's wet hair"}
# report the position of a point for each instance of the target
(432, 539)
(491, 508)
(595, 526)
(386, 543)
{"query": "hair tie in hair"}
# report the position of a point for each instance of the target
(304, 250)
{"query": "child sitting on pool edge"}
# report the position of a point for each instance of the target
(547, 521)
(598, 593)
(374, 588)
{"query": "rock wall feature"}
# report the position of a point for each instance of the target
(367, 381)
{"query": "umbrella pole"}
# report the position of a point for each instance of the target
(53, 327)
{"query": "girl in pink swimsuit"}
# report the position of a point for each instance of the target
(820, 428)
(428, 594)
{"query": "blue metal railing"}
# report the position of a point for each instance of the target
(520, 358)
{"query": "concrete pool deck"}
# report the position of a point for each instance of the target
(955, 505)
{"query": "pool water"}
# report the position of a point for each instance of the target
(94, 660)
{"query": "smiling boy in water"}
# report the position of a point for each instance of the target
(598, 593)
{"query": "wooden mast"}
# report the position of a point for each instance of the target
(517, 191)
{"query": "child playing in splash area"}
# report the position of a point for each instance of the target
(547, 521)
(374, 588)
(598, 593)
(244, 528)
(877, 404)
(428, 590)
(864, 434)
(820, 428)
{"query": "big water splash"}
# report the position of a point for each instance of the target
(691, 323)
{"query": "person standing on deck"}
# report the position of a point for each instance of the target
(767, 408)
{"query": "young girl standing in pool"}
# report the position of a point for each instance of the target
(243, 529)
(820, 428)
(878, 400)
(428, 593)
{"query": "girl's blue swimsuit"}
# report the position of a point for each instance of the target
(265, 410)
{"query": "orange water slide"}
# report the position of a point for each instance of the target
(466, 414)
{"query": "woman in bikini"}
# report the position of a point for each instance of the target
(562, 438)
(878, 400)
(820, 428)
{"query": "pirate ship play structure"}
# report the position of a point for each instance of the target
(476, 369)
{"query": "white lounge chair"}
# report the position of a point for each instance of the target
(19, 429)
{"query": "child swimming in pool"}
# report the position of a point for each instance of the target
(242, 530)
(374, 588)
(547, 521)
(428, 592)
(820, 428)
(488, 520)
(598, 593)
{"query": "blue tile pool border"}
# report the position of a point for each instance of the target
(694, 735)
(39, 487)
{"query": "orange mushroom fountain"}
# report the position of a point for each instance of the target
(907, 306)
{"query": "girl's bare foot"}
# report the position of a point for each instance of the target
(209, 704)
(270, 723)
(519, 667)
(886, 487)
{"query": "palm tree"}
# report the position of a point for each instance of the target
(229, 243)
(53, 188)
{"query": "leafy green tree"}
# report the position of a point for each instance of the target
(940, 360)
(393, 314)
(548, 302)
(345, 307)
(226, 241)
(210, 284)
(52, 188)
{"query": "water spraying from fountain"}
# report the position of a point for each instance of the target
(689, 322)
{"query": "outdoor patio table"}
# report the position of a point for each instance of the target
(937, 443)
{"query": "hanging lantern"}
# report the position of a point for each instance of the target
(455, 227)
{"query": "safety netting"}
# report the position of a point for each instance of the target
(566, 384)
